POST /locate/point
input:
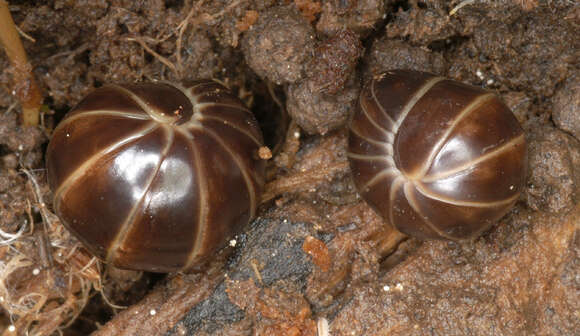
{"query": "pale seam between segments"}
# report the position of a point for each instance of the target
(150, 111)
(203, 201)
(392, 191)
(413, 101)
(387, 146)
(380, 176)
(413, 203)
(420, 188)
(389, 134)
(240, 163)
(227, 123)
(129, 222)
(202, 105)
(374, 95)
(111, 113)
(81, 170)
(489, 155)
(465, 112)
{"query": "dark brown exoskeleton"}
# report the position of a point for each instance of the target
(434, 157)
(156, 176)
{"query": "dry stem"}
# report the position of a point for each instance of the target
(25, 86)
(155, 54)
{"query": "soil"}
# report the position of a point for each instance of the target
(316, 260)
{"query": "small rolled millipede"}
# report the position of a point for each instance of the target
(156, 176)
(434, 157)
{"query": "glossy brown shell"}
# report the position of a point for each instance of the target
(436, 158)
(156, 176)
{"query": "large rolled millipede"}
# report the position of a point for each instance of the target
(156, 176)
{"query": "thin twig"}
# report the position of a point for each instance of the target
(23, 34)
(38, 197)
(460, 5)
(10, 108)
(153, 52)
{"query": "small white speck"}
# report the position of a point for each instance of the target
(489, 81)
(152, 312)
(136, 312)
(20, 147)
(386, 288)
(35, 271)
(1, 299)
(68, 135)
(297, 135)
(233, 243)
(512, 187)
(479, 74)
(12, 328)
(14, 92)
(399, 287)
(285, 221)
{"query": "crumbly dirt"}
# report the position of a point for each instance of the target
(325, 99)
(316, 254)
(280, 45)
(555, 177)
(566, 104)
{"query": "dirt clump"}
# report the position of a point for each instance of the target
(279, 45)
(357, 16)
(387, 54)
(566, 104)
(554, 177)
(325, 99)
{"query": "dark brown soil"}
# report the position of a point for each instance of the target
(315, 254)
